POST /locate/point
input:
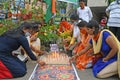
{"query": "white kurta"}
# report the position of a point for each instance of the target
(85, 13)
(36, 44)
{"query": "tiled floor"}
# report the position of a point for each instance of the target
(84, 74)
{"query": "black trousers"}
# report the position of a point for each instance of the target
(115, 31)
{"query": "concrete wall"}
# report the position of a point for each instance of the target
(98, 8)
(96, 3)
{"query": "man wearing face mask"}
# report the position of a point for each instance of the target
(84, 12)
(113, 12)
(76, 32)
(10, 65)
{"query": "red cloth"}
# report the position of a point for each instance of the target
(103, 22)
(4, 71)
(64, 25)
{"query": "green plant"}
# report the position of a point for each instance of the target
(62, 4)
(23, 11)
(6, 4)
(3, 29)
(48, 33)
(6, 25)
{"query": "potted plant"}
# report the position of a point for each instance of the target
(48, 34)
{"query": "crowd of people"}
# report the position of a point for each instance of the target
(92, 47)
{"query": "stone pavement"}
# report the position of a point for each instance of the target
(83, 74)
(87, 75)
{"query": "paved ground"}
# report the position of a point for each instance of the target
(87, 75)
(30, 67)
(84, 75)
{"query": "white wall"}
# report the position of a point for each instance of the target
(96, 3)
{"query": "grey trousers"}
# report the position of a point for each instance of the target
(115, 31)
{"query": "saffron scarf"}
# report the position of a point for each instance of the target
(97, 46)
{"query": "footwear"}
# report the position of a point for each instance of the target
(23, 58)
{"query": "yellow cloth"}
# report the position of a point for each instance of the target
(72, 41)
(97, 46)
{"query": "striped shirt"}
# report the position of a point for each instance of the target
(114, 14)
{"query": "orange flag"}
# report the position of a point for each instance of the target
(53, 6)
